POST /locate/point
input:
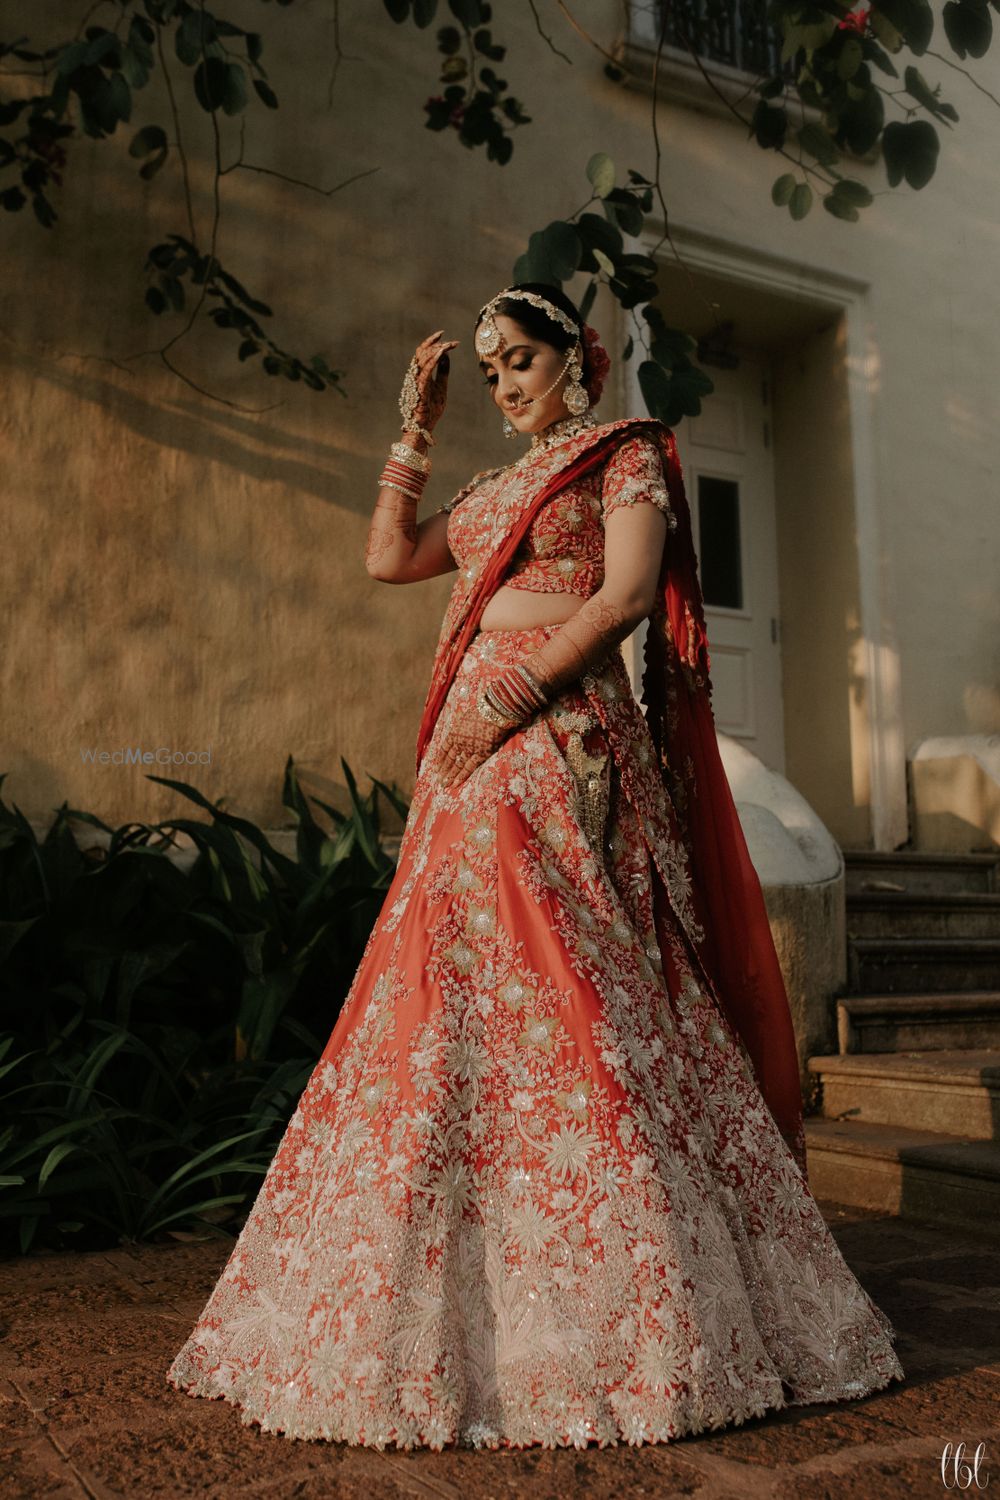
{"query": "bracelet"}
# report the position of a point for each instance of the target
(389, 484)
(409, 403)
(489, 711)
(410, 457)
(534, 685)
(396, 476)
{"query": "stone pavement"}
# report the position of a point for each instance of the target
(85, 1413)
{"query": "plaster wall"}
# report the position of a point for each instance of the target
(178, 572)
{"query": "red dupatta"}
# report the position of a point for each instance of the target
(737, 953)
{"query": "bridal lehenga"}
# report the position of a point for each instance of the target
(545, 1185)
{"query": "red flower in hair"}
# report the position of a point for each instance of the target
(597, 363)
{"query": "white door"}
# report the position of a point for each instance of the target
(727, 457)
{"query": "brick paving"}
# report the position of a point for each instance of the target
(85, 1413)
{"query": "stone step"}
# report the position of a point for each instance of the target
(914, 965)
(912, 870)
(962, 914)
(897, 1023)
(918, 1174)
(954, 1092)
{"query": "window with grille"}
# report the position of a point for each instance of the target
(734, 32)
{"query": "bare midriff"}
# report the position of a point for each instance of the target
(520, 609)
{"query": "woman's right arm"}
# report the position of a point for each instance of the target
(399, 550)
(402, 550)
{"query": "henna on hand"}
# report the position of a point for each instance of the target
(469, 741)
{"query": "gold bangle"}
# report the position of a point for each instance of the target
(404, 454)
(492, 714)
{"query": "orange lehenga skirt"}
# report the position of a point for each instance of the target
(531, 1193)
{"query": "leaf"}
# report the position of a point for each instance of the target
(265, 93)
(913, 19)
(597, 233)
(850, 58)
(915, 84)
(839, 207)
(552, 256)
(782, 189)
(601, 173)
(769, 125)
(234, 90)
(155, 300)
(853, 192)
(622, 209)
(911, 150)
(814, 139)
(800, 202)
(655, 386)
(55, 1156)
(210, 82)
(968, 26)
(606, 265)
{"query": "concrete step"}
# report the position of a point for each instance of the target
(912, 870)
(898, 1023)
(918, 1174)
(961, 914)
(956, 1093)
(917, 965)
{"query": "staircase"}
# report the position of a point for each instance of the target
(910, 1106)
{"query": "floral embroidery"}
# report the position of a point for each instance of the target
(563, 548)
(532, 1193)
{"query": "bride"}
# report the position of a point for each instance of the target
(546, 1184)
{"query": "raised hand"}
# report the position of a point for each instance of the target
(425, 386)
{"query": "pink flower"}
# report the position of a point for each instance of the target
(856, 21)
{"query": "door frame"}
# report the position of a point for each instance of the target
(878, 738)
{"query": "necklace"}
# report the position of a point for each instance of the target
(561, 430)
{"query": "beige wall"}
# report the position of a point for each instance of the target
(179, 572)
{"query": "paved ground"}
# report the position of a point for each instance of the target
(85, 1412)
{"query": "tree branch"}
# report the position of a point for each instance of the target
(545, 36)
(941, 57)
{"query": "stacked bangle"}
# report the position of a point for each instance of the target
(399, 476)
(410, 457)
(511, 697)
(405, 471)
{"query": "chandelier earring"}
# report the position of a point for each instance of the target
(575, 395)
(509, 430)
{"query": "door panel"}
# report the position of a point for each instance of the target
(729, 478)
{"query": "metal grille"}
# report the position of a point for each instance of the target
(736, 32)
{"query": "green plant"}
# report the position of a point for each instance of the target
(156, 1026)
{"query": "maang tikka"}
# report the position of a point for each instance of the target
(489, 341)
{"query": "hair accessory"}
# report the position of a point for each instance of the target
(489, 339)
(409, 403)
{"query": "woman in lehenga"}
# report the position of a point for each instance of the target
(546, 1184)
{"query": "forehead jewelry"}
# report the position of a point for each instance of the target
(489, 339)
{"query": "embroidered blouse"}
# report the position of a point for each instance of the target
(563, 549)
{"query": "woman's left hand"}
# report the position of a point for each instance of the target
(469, 740)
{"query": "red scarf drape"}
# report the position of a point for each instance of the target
(738, 952)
